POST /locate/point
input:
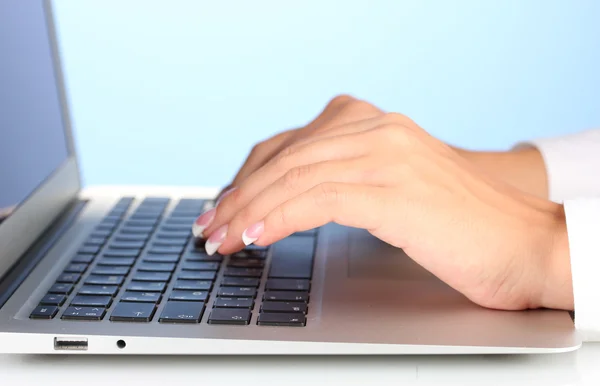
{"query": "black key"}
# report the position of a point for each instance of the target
(95, 241)
(246, 263)
(138, 244)
(117, 261)
(76, 268)
(281, 319)
(110, 270)
(194, 285)
(173, 235)
(61, 288)
(286, 307)
(200, 266)
(136, 230)
(292, 258)
(84, 313)
(89, 249)
(243, 272)
(101, 290)
(133, 312)
(121, 253)
(82, 259)
(156, 267)
(53, 300)
(234, 303)
(176, 228)
(92, 301)
(44, 312)
(105, 280)
(68, 278)
(161, 258)
(100, 233)
(250, 255)
(239, 316)
(237, 292)
(152, 276)
(179, 242)
(147, 286)
(288, 285)
(202, 257)
(132, 237)
(177, 250)
(182, 312)
(189, 296)
(141, 297)
(148, 222)
(286, 296)
(240, 282)
(197, 275)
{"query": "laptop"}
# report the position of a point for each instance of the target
(115, 270)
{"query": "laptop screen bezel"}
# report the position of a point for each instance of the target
(40, 209)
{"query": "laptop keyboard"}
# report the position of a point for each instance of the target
(141, 265)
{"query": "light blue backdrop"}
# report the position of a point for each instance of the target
(175, 92)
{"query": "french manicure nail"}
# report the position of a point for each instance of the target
(203, 222)
(224, 194)
(253, 232)
(216, 240)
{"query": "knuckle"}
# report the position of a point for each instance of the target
(396, 118)
(282, 216)
(328, 194)
(283, 159)
(293, 177)
(340, 100)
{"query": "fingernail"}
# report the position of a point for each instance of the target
(253, 232)
(203, 222)
(216, 240)
(224, 194)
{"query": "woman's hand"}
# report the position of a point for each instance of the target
(500, 247)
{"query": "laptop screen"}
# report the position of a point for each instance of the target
(32, 137)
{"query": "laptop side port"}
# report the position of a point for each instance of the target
(73, 344)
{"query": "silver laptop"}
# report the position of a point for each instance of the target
(114, 270)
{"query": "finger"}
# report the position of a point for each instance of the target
(292, 184)
(351, 205)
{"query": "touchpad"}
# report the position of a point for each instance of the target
(372, 258)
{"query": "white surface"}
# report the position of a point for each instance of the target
(576, 368)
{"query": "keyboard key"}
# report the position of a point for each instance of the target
(92, 301)
(84, 313)
(234, 303)
(137, 244)
(76, 268)
(194, 285)
(95, 241)
(89, 250)
(246, 263)
(154, 215)
(281, 319)
(176, 250)
(286, 296)
(187, 221)
(162, 234)
(292, 258)
(61, 288)
(110, 270)
(133, 312)
(68, 278)
(105, 290)
(236, 316)
(136, 230)
(237, 292)
(157, 267)
(240, 282)
(131, 237)
(288, 285)
(82, 259)
(147, 222)
(178, 242)
(286, 307)
(44, 312)
(53, 300)
(202, 257)
(243, 272)
(260, 254)
(147, 286)
(176, 228)
(100, 233)
(141, 297)
(121, 253)
(152, 276)
(117, 261)
(161, 258)
(182, 312)
(105, 280)
(156, 201)
(197, 275)
(189, 296)
(200, 266)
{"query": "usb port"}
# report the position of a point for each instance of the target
(70, 344)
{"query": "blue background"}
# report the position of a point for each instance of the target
(176, 92)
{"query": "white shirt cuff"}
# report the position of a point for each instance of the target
(583, 227)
